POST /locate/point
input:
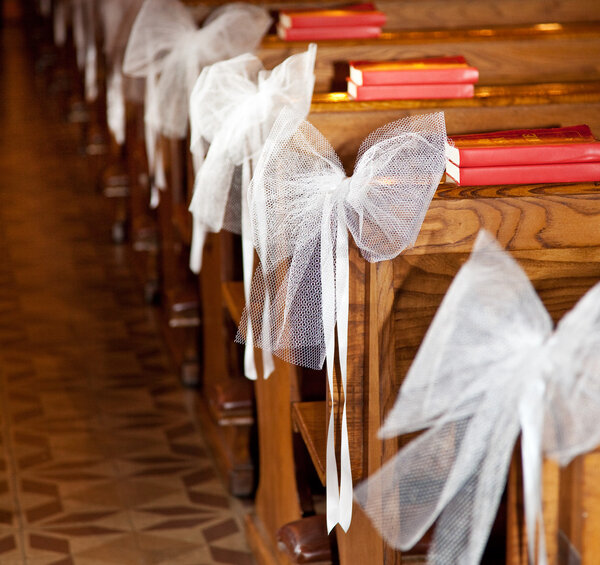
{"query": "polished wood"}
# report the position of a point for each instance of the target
(310, 420)
(306, 540)
(345, 123)
(550, 229)
(547, 52)
(277, 499)
(423, 14)
(233, 294)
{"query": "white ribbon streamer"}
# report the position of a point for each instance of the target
(489, 367)
(302, 207)
(233, 106)
(117, 18)
(84, 36)
(59, 22)
(168, 49)
(45, 7)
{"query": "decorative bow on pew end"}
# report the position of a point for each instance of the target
(233, 106)
(491, 367)
(302, 206)
(167, 48)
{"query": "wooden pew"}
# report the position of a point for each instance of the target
(345, 123)
(552, 231)
(504, 54)
(434, 14)
(278, 499)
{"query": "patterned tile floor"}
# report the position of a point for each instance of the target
(101, 459)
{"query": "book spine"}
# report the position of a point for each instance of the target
(410, 92)
(358, 19)
(530, 174)
(524, 154)
(326, 33)
(433, 76)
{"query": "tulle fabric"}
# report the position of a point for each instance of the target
(165, 41)
(232, 108)
(302, 206)
(300, 194)
(169, 51)
(489, 368)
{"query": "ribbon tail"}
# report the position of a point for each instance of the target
(331, 479)
(60, 23)
(342, 285)
(267, 357)
(248, 263)
(328, 317)
(197, 245)
(532, 419)
(115, 104)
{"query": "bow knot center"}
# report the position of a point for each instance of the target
(339, 189)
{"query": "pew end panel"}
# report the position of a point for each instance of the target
(552, 232)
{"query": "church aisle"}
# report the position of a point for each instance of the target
(101, 460)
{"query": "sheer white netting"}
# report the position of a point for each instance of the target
(301, 201)
(165, 41)
(489, 368)
(233, 106)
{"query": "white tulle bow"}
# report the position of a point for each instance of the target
(165, 40)
(489, 368)
(233, 106)
(302, 206)
(167, 48)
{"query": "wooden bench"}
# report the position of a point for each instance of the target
(503, 54)
(435, 14)
(345, 123)
(552, 231)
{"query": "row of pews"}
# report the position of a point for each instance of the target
(539, 66)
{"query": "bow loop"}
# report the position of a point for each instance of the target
(155, 32)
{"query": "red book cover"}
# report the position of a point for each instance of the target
(431, 70)
(331, 18)
(409, 91)
(524, 174)
(322, 33)
(572, 144)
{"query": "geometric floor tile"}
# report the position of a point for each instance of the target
(102, 461)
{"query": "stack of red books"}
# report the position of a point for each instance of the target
(433, 77)
(524, 156)
(356, 22)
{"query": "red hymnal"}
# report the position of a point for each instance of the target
(409, 91)
(431, 70)
(331, 18)
(524, 174)
(573, 144)
(320, 33)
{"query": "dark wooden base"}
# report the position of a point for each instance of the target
(230, 445)
(263, 546)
